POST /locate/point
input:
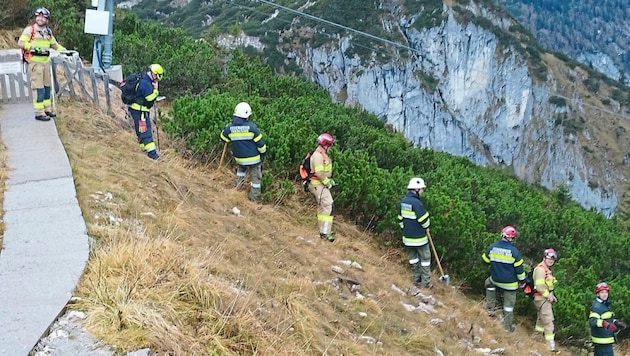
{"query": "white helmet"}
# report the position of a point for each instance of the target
(242, 110)
(416, 183)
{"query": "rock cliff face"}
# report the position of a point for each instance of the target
(485, 106)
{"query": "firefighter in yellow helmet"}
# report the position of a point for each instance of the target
(140, 109)
(36, 41)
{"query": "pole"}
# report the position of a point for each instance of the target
(223, 154)
(157, 119)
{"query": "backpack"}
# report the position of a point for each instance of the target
(305, 170)
(529, 289)
(129, 87)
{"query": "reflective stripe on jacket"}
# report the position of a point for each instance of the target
(145, 94)
(246, 140)
(506, 264)
(414, 219)
(321, 166)
(600, 311)
(34, 36)
(544, 281)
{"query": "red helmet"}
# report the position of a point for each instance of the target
(601, 286)
(550, 253)
(509, 232)
(326, 140)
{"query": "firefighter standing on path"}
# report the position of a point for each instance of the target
(146, 93)
(320, 184)
(506, 273)
(36, 41)
(545, 282)
(602, 322)
(414, 221)
(248, 148)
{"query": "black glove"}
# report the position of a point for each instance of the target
(620, 324)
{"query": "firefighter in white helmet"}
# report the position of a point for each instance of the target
(248, 148)
(414, 221)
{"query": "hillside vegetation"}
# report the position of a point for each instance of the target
(171, 259)
(174, 269)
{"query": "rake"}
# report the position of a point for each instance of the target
(443, 277)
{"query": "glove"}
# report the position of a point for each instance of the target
(609, 326)
(620, 324)
(262, 157)
(401, 225)
(142, 126)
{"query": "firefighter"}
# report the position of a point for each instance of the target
(602, 322)
(248, 148)
(140, 109)
(36, 41)
(544, 281)
(414, 221)
(320, 184)
(506, 273)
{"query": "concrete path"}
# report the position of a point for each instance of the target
(45, 239)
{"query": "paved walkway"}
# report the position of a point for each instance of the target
(45, 239)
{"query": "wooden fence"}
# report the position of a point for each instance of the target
(70, 78)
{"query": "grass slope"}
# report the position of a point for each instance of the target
(172, 268)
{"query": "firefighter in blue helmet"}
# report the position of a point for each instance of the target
(248, 148)
(506, 273)
(602, 322)
(140, 109)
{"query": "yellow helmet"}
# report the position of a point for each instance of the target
(157, 70)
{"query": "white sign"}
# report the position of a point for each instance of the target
(96, 22)
(10, 67)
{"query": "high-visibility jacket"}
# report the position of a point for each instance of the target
(248, 145)
(34, 36)
(506, 264)
(543, 280)
(414, 220)
(321, 166)
(600, 311)
(145, 94)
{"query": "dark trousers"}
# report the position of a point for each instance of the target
(603, 350)
(145, 135)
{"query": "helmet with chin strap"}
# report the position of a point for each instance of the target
(550, 253)
(509, 232)
(42, 11)
(602, 286)
(326, 140)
